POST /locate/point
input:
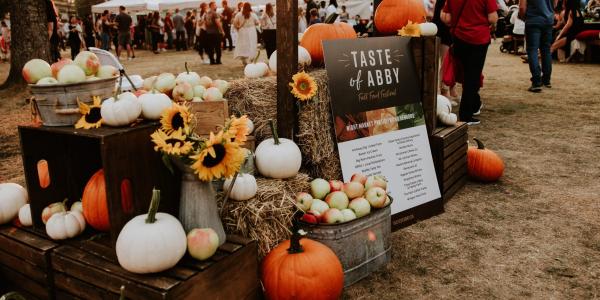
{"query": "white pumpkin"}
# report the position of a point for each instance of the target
(444, 111)
(12, 198)
(222, 85)
(250, 125)
(213, 94)
(303, 58)
(153, 104)
(65, 225)
(123, 110)
(278, 157)
(199, 91)
(152, 242)
(190, 77)
(244, 188)
(25, 215)
(256, 70)
(149, 83)
(428, 29)
(205, 81)
(183, 91)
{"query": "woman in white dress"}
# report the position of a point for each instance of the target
(245, 23)
(301, 20)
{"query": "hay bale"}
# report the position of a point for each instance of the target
(258, 99)
(267, 218)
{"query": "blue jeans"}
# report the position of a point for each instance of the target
(106, 41)
(538, 36)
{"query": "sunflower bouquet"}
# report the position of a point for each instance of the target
(218, 156)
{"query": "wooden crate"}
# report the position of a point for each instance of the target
(73, 156)
(89, 270)
(426, 56)
(25, 263)
(449, 150)
(209, 116)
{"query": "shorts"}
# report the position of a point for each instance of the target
(124, 38)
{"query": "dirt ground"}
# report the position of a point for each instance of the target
(534, 234)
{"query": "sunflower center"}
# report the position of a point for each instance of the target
(172, 141)
(177, 121)
(303, 86)
(93, 116)
(210, 161)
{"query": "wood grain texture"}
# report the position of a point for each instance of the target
(209, 116)
(21, 282)
(287, 66)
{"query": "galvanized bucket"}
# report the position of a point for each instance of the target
(362, 245)
(57, 103)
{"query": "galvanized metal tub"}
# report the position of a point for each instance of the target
(57, 103)
(362, 245)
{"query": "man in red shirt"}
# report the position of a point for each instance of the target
(469, 22)
(169, 30)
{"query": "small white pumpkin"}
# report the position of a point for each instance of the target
(199, 91)
(244, 188)
(122, 110)
(213, 94)
(190, 77)
(250, 125)
(153, 104)
(428, 29)
(183, 91)
(205, 81)
(256, 70)
(278, 157)
(148, 84)
(77, 206)
(65, 225)
(444, 111)
(222, 85)
(12, 198)
(152, 242)
(25, 215)
(303, 58)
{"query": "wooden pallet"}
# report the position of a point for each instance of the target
(89, 270)
(449, 151)
(25, 263)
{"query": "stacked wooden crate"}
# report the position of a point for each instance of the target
(449, 151)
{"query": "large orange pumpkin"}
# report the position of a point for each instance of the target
(317, 33)
(484, 164)
(95, 207)
(392, 15)
(302, 270)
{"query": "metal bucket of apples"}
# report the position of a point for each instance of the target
(353, 219)
(56, 88)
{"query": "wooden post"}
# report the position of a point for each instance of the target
(287, 65)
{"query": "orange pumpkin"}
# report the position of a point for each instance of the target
(484, 164)
(302, 270)
(317, 33)
(95, 207)
(392, 15)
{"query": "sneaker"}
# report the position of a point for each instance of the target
(129, 58)
(548, 85)
(535, 88)
(478, 112)
(472, 121)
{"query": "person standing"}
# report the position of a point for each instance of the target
(105, 28)
(226, 17)
(214, 32)
(310, 4)
(201, 33)
(302, 23)
(322, 11)
(470, 28)
(445, 42)
(344, 15)
(189, 29)
(154, 27)
(168, 27)
(179, 31)
(539, 19)
(268, 24)
(73, 31)
(52, 19)
(88, 30)
(245, 23)
(124, 21)
(331, 8)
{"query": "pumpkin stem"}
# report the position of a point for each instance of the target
(186, 68)
(151, 218)
(122, 293)
(331, 19)
(118, 90)
(479, 143)
(295, 246)
(274, 131)
(256, 57)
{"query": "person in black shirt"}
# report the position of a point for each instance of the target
(310, 4)
(88, 31)
(124, 21)
(51, 18)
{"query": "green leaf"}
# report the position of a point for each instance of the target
(167, 161)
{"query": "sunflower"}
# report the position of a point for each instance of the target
(303, 86)
(172, 144)
(91, 117)
(410, 29)
(238, 130)
(175, 118)
(218, 158)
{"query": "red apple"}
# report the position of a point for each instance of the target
(319, 188)
(310, 218)
(335, 185)
(202, 243)
(360, 206)
(71, 74)
(319, 206)
(349, 215)
(55, 67)
(332, 216)
(88, 62)
(353, 189)
(317, 215)
(376, 180)
(35, 70)
(376, 196)
(51, 209)
(304, 201)
(337, 200)
(359, 177)
(183, 91)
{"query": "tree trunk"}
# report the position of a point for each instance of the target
(29, 36)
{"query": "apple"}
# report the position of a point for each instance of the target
(51, 209)
(359, 177)
(387, 201)
(376, 180)
(337, 200)
(88, 62)
(183, 92)
(319, 206)
(77, 206)
(47, 80)
(304, 201)
(71, 74)
(165, 83)
(335, 185)
(376, 196)
(332, 216)
(190, 77)
(349, 214)
(202, 243)
(25, 215)
(317, 214)
(199, 91)
(319, 188)
(149, 83)
(197, 99)
(311, 218)
(55, 67)
(140, 92)
(353, 189)
(35, 70)
(212, 94)
(222, 85)
(91, 78)
(360, 206)
(107, 71)
(205, 81)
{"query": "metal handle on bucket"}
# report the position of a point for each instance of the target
(65, 111)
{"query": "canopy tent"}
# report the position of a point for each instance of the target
(362, 8)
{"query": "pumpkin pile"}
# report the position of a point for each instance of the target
(332, 202)
(85, 67)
